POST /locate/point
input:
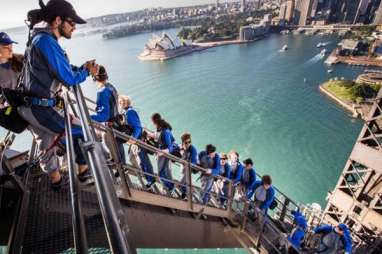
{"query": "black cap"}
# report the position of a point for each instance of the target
(62, 9)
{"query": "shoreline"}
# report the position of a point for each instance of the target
(351, 60)
(352, 109)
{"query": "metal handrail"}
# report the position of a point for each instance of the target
(79, 232)
(111, 210)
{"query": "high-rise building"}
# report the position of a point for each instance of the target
(217, 4)
(282, 12)
(242, 7)
(378, 15)
(314, 8)
(289, 10)
(361, 11)
(302, 11)
(351, 8)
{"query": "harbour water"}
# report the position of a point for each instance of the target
(251, 98)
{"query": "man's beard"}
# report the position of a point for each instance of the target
(62, 33)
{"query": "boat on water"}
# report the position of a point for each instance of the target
(284, 48)
(322, 44)
(323, 52)
(330, 71)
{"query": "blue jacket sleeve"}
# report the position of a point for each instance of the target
(296, 238)
(254, 186)
(227, 171)
(201, 155)
(239, 174)
(103, 106)
(134, 121)
(347, 242)
(216, 168)
(269, 198)
(252, 178)
(323, 229)
(168, 141)
(58, 63)
(194, 155)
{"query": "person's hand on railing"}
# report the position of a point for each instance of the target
(131, 142)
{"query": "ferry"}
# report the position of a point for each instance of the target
(284, 48)
(322, 44)
(323, 52)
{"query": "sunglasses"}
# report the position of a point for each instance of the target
(187, 142)
(223, 159)
(70, 22)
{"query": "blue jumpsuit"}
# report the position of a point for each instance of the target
(166, 141)
(208, 180)
(47, 69)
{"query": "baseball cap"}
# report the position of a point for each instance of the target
(63, 9)
(5, 39)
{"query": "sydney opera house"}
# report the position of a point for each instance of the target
(164, 47)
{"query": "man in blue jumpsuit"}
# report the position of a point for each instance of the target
(334, 239)
(248, 177)
(47, 70)
(210, 160)
(190, 154)
(297, 236)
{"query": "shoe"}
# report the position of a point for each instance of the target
(86, 177)
(149, 185)
(184, 195)
(58, 185)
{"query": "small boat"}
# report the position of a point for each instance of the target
(323, 52)
(284, 48)
(322, 44)
(330, 71)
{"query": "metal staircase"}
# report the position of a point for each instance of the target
(120, 215)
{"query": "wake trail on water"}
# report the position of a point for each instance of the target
(314, 60)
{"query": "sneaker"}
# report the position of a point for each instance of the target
(58, 185)
(86, 177)
(149, 185)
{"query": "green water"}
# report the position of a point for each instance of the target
(250, 98)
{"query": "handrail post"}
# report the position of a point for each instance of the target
(245, 215)
(110, 206)
(230, 197)
(79, 232)
(284, 209)
(187, 168)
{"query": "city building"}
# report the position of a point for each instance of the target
(289, 10)
(302, 12)
(349, 47)
(378, 15)
(282, 12)
(242, 6)
(251, 32)
(361, 11)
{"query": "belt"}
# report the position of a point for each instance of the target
(42, 102)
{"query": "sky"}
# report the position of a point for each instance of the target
(13, 13)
